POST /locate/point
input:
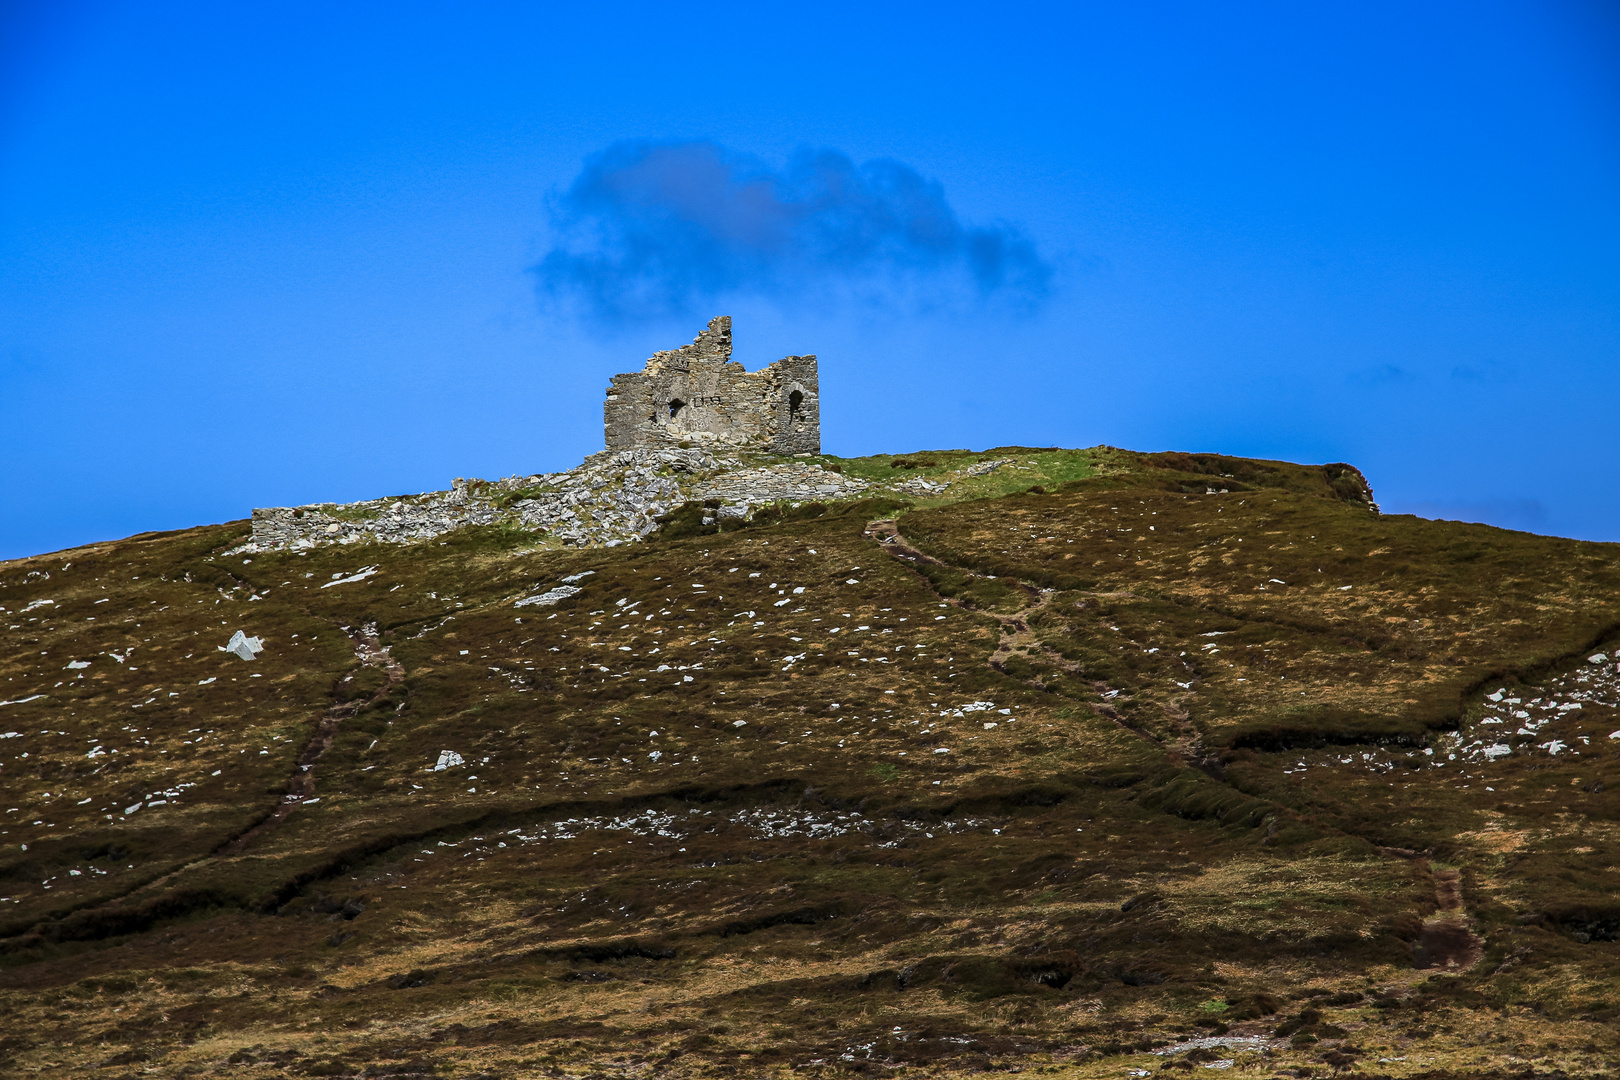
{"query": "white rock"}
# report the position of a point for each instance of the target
(551, 596)
(359, 575)
(448, 759)
(243, 646)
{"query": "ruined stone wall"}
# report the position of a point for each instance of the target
(612, 498)
(699, 395)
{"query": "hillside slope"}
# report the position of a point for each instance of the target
(1093, 762)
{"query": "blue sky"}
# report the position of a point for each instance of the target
(266, 254)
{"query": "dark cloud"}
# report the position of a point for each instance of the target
(651, 229)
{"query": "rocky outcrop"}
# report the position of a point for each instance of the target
(609, 499)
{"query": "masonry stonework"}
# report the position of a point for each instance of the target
(699, 396)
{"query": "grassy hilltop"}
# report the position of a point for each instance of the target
(1090, 760)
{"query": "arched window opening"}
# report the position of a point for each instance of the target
(675, 406)
(795, 402)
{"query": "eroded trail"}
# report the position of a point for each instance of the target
(1016, 636)
(300, 785)
(1447, 939)
(369, 650)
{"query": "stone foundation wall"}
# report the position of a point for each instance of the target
(611, 498)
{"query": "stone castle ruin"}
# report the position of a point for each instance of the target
(683, 429)
(699, 396)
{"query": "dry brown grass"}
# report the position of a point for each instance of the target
(1132, 848)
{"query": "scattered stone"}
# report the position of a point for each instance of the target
(1229, 1042)
(359, 575)
(983, 468)
(611, 498)
(561, 592)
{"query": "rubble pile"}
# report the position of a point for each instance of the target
(611, 498)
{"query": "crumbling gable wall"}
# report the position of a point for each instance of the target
(699, 395)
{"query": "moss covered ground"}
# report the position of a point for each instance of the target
(1087, 761)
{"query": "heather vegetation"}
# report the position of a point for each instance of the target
(1090, 763)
